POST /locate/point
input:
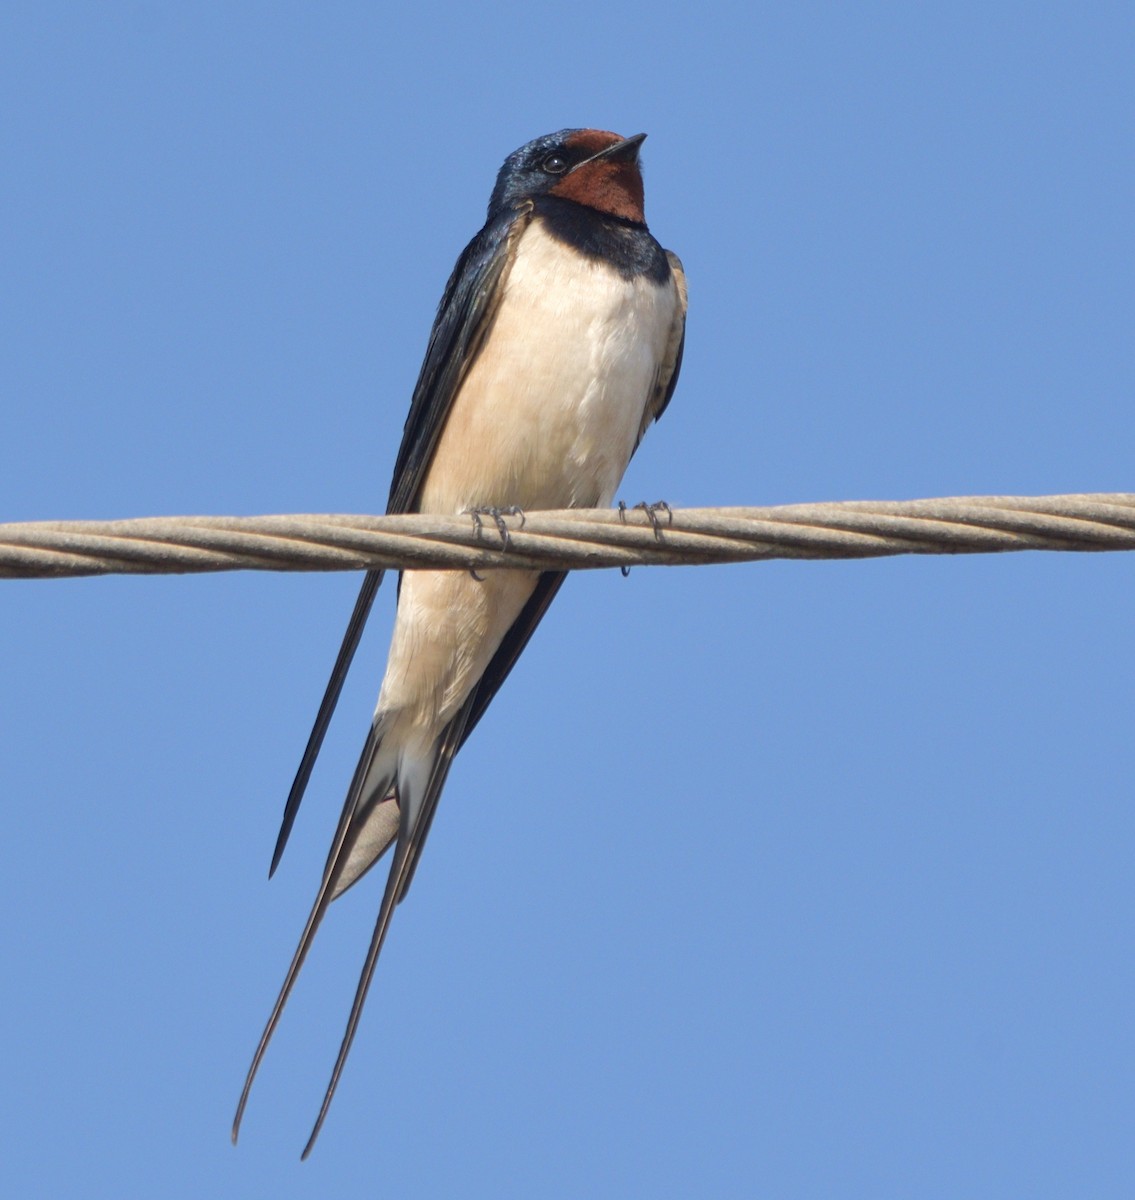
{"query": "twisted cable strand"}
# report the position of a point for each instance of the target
(570, 539)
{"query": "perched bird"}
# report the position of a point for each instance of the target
(557, 341)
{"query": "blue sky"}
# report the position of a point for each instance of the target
(799, 880)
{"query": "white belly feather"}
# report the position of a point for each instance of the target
(547, 417)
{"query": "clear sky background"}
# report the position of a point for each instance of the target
(793, 880)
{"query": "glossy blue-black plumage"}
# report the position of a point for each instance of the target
(624, 244)
(524, 174)
(469, 298)
(460, 322)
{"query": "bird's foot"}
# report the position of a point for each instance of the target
(498, 518)
(652, 511)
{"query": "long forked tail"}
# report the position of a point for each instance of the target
(315, 917)
(417, 785)
(419, 788)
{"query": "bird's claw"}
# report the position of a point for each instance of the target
(652, 511)
(498, 517)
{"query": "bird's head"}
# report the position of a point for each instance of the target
(589, 166)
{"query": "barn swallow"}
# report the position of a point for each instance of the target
(558, 340)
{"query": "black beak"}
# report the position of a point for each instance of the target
(624, 151)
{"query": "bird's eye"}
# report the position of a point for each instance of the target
(554, 164)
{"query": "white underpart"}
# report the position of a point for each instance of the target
(547, 417)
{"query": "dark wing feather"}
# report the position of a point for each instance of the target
(327, 705)
(671, 363)
(470, 301)
(463, 317)
(412, 832)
